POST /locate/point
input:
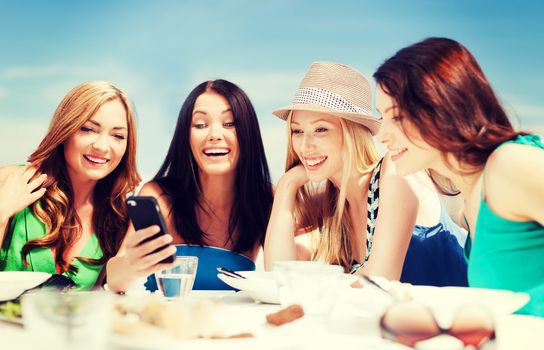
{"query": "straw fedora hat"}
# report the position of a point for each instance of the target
(334, 89)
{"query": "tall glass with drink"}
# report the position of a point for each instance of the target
(178, 281)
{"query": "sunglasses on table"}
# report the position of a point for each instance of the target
(410, 322)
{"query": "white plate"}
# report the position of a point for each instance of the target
(498, 302)
(221, 319)
(166, 342)
(261, 285)
(160, 343)
(13, 283)
(443, 301)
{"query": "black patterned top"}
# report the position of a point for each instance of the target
(373, 199)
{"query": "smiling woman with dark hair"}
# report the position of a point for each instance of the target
(214, 188)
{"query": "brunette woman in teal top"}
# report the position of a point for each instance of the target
(65, 212)
(440, 113)
(508, 254)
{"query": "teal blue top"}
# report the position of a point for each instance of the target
(25, 226)
(509, 254)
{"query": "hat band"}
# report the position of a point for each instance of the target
(327, 99)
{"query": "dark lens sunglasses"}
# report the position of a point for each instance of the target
(410, 322)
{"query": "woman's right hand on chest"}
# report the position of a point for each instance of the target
(140, 257)
(18, 189)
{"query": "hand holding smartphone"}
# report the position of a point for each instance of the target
(144, 212)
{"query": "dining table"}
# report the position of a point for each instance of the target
(348, 326)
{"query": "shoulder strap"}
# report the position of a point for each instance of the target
(529, 140)
(373, 207)
(372, 213)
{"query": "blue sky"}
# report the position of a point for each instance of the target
(157, 51)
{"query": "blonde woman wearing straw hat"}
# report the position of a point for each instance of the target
(340, 203)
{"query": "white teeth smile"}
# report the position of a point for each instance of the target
(315, 161)
(96, 160)
(216, 152)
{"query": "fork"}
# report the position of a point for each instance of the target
(229, 273)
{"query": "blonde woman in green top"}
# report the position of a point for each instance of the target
(440, 113)
(65, 213)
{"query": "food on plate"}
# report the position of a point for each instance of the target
(285, 315)
(236, 336)
(10, 310)
(181, 319)
(401, 291)
(356, 284)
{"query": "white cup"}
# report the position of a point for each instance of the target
(72, 320)
(311, 284)
(178, 281)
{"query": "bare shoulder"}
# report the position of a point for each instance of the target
(151, 188)
(513, 185)
(6, 170)
(513, 162)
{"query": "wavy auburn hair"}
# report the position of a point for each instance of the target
(329, 212)
(439, 88)
(55, 209)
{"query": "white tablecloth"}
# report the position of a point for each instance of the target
(347, 328)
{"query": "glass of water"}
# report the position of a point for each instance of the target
(178, 281)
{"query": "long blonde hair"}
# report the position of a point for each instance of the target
(326, 217)
(55, 209)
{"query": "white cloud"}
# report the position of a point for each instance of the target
(20, 137)
(530, 114)
(4, 92)
(529, 111)
(155, 131)
(275, 146)
(265, 88)
(268, 87)
(32, 72)
(26, 72)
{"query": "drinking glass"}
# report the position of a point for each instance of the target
(178, 281)
(72, 320)
(311, 284)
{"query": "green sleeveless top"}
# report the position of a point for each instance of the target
(25, 226)
(508, 254)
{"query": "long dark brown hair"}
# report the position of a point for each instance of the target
(179, 175)
(439, 88)
(55, 209)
